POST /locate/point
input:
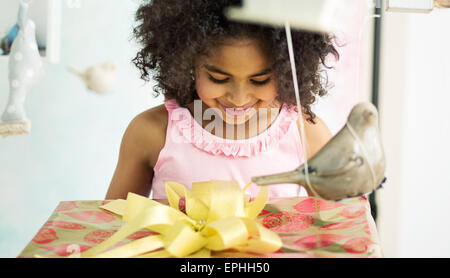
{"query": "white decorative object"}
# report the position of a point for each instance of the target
(99, 78)
(421, 6)
(25, 68)
(313, 15)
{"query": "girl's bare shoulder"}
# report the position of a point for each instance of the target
(156, 116)
(317, 135)
(149, 131)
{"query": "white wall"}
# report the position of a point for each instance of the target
(415, 117)
(72, 150)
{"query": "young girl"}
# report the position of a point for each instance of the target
(218, 77)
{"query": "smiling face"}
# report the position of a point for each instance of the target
(237, 79)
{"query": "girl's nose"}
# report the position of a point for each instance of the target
(240, 97)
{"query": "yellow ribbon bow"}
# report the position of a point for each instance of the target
(217, 217)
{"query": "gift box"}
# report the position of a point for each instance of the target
(308, 228)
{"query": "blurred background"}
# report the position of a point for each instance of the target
(414, 211)
(72, 149)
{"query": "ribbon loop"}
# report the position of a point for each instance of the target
(225, 233)
(182, 240)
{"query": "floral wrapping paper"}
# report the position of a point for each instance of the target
(308, 227)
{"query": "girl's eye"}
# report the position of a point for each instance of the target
(222, 81)
(260, 83)
(218, 81)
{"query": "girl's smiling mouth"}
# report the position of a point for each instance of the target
(237, 111)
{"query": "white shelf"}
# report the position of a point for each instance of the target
(46, 14)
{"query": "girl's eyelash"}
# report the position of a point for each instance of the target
(222, 81)
(218, 81)
(260, 83)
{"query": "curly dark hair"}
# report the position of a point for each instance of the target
(173, 33)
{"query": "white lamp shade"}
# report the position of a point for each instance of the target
(311, 15)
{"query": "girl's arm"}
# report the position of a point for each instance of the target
(317, 135)
(133, 171)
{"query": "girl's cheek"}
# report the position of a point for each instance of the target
(206, 90)
(268, 95)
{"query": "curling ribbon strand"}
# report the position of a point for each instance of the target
(299, 108)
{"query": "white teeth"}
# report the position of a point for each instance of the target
(237, 111)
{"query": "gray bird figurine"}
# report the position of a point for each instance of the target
(351, 164)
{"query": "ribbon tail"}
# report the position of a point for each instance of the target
(117, 206)
(161, 217)
(134, 248)
(262, 240)
(204, 253)
(256, 206)
(48, 257)
(174, 191)
(123, 232)
(157, 254)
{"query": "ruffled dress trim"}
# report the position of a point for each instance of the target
(192, 131)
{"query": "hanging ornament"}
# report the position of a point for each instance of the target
(99, 78)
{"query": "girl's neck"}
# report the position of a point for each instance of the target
(214, 124)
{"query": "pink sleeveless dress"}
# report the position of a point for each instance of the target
(192, 154)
